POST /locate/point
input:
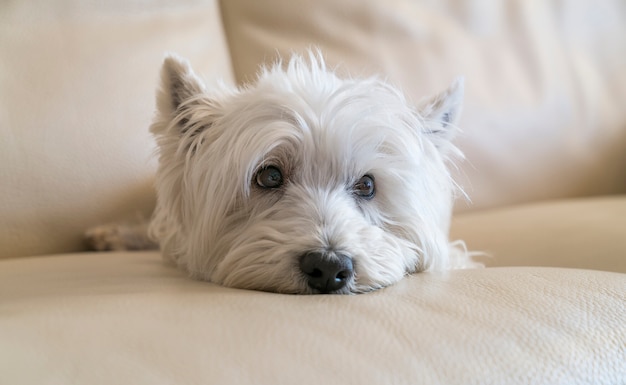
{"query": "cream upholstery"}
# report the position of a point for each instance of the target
(545, 136)
(128, 318)
(545, 86)
(584, 233)
(76, 98)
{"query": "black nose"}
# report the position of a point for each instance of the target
(326, 272)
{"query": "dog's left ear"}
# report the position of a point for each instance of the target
(178, 84)
(181, 97)
(441, 113)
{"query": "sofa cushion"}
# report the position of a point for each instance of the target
(544, 115)
(77, 86)
(127, 317)
(585, 233)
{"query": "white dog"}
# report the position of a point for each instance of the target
(303, 182)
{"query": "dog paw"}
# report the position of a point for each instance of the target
(105, 238)
(119, 237)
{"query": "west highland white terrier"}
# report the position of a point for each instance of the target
(302, 182)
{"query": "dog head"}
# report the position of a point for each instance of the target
(302, 182)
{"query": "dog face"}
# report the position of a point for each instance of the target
(302, 182)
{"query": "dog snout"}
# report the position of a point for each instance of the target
(327, 272)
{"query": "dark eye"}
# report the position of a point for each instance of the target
(269, 177)
(364, 187)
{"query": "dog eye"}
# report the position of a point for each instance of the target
(269, 177)
(365, 188)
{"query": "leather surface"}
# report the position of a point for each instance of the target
(587, 233)
(543, 119)
(545, 85)
(128, 318)
(77, 86)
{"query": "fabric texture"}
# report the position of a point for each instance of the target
(544, 113)
(127, 317)
(77, 86)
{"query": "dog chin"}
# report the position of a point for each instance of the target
(302, 182)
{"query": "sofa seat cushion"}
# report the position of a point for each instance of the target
(128, 317)
(586, 233)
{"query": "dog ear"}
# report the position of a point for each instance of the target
(441, 113)
(180, 90)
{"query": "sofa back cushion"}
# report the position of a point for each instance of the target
(545, 88)
(77, 86)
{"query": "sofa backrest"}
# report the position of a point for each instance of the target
(544, 114)
(77, 86)
(545, 110)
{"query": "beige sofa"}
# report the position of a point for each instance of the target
(545, 138)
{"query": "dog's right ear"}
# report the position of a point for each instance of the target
(441, 113)
(180, 91)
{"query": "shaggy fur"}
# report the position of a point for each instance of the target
(324, 140)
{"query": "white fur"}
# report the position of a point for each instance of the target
(324, 133)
